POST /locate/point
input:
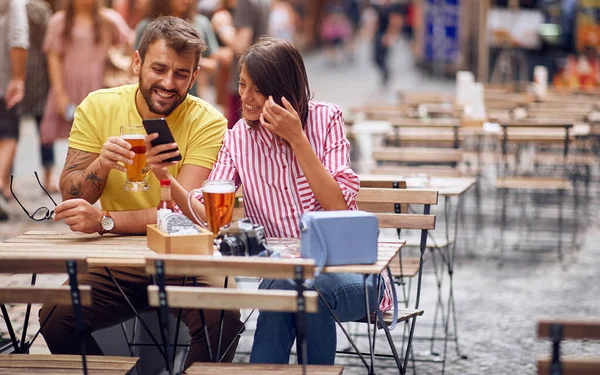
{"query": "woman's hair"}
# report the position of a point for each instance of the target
(163, 8)
(69, 18)
(277, 69)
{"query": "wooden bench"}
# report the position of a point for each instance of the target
(418, 155)
(62, 295)
(533, 183)
(558, 330)
(36, 364)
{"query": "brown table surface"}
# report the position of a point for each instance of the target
(445, 186)
(131, 251)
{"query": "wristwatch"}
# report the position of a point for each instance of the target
(107, 223)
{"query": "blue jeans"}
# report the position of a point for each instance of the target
(276, 331)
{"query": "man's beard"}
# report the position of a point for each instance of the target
(147, 95)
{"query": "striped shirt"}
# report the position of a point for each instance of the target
(276, 191)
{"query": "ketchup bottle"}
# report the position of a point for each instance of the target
(165, 206)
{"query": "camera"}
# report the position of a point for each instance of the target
(243, 238)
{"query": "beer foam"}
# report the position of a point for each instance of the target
(133, 136)
(219, 189)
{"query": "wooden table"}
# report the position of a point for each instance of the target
(445, 186)
(131, 251)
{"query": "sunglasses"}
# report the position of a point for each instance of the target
(42, 213)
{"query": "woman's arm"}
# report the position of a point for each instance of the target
(55, 75)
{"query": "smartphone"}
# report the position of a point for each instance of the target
(159, 125)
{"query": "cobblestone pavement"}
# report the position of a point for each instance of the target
(498, 297)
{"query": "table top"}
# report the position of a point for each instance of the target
(445, 186)
(131, 251)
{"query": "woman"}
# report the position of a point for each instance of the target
(186, 9)
(76, 43)
(292, 156)
(36, 81)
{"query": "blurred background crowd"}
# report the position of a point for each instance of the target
(78, 46)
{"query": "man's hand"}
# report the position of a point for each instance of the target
(79, 215)
(15, 91)
(115, 150)
(155, 160)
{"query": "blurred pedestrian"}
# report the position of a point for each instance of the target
(14, 42)
(282, 20)
(76, 45)
(250, 22)
(389, 16)
(335, 32)
(36, 81)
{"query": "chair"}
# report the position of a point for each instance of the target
(299, 301)
(558, 330)
(518, 132)
(74, 294)
(366, 198)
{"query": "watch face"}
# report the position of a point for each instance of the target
(107, 223)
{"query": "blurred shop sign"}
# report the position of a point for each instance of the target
(588, 25)
(441, 19)
(514, 28)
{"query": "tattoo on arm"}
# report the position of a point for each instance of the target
(97, 182)
(75, 190)
(77, 160)
(79, 182)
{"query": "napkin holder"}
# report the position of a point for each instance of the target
(190, 244)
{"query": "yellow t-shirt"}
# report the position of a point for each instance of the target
(198, 129)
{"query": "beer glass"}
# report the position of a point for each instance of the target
(219, 197)
(137, 173)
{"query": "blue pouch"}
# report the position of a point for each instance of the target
(335, 238)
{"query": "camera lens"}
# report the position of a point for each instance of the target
(231, 246)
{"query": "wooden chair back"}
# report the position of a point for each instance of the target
(558, 330)
(418, 155)
(60, 295)
(424, 221)
(230, 299)
(40, 264)
(407, 161)
(382, 206)
(175, 265)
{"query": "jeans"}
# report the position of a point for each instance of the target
(276, 331)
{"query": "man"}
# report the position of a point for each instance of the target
(389, 16)
(14, 42)
(167, 65)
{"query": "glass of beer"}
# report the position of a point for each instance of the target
(137, 173)
(219, 197)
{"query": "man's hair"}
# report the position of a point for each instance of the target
(276, 68)
(176, 32)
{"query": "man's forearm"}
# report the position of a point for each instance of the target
(133, 222)
(88, 183)
(18, 62)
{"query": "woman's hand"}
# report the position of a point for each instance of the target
(155, 160)
(62, 101)
(283, 122)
